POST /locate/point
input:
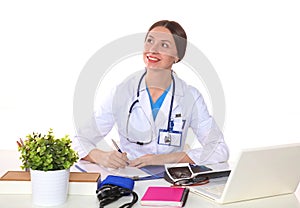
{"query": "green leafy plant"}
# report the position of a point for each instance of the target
(45, 152)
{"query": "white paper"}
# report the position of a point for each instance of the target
(126, 172)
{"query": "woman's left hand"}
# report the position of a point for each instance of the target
(148, 159)
(160, 159)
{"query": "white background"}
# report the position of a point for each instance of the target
(254, 47)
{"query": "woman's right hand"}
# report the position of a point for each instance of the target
(108, 159)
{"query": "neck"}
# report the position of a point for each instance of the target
(158, 78)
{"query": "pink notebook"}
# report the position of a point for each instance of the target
(165, 196)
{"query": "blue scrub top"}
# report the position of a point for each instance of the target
(156, 106)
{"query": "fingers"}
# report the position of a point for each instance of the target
(111, 159)
(145, 160)
(136, 163)
(115, 159)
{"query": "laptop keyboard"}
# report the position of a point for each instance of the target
(216, 190)
(213, 189)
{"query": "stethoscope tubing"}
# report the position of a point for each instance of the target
(137, 100)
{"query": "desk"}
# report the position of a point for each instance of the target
(74, 201)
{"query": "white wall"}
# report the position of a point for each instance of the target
(253, 45)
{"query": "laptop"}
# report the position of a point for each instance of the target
(258, 173)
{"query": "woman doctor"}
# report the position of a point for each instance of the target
(153, 110)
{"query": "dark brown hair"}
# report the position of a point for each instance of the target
(178, 33)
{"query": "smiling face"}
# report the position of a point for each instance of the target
(159, 49)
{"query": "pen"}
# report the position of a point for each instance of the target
(138, 178)
(80, 168)
(116, 146)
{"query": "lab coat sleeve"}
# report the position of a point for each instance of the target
(214, 148)
(92, 131)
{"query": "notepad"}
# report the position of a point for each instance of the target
(125, 172)
(165, 196)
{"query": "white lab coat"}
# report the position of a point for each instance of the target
(188, 105)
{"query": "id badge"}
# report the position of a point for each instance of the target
(170, 138)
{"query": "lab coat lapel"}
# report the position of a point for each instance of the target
(163, 114)
(146, 106)
(178, 93)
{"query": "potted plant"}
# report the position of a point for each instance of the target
(49, 160)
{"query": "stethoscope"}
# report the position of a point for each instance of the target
(137, 100)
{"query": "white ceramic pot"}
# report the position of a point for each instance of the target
(49, 188)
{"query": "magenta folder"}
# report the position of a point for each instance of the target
(165, 196)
